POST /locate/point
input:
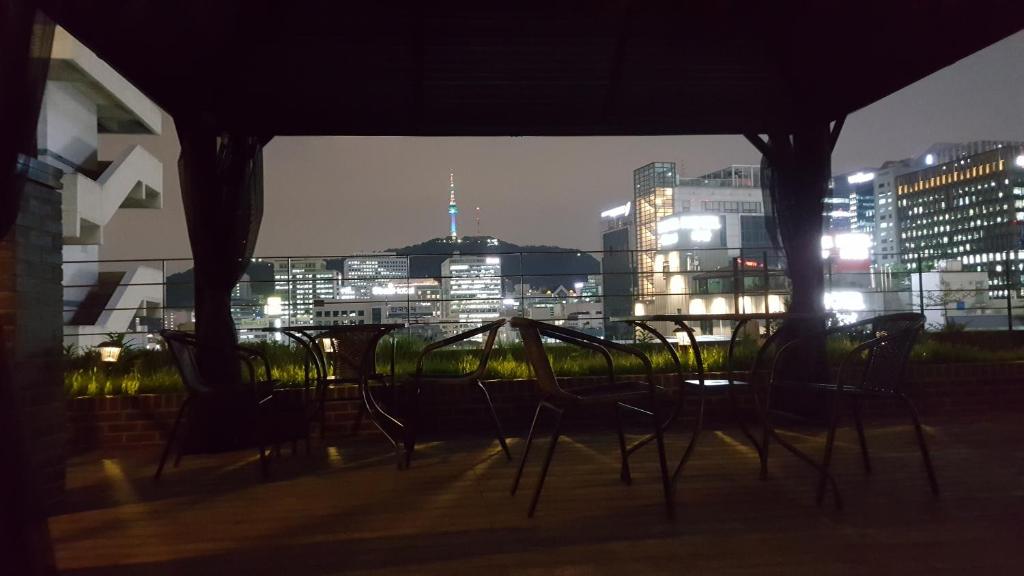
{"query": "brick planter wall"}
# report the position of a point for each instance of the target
(939, 391)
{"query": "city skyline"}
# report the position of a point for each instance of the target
(353, 194)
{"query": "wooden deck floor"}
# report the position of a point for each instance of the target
(346, 509)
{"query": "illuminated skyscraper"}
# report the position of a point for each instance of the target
(652, 200)
(453, 210)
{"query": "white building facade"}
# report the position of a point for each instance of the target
(83, 99)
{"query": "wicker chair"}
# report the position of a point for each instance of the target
(474, 378)
(875, 367)
(614, 394)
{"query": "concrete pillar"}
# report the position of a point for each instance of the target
(30, 314)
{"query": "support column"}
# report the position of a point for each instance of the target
(795, 174)
(30, 316)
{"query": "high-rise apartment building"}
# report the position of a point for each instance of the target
(652, 200)
(300, 281)
(970, 208)
(471, 288)
(364, 272)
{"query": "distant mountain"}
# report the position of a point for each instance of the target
(542, 267)
(180, 286)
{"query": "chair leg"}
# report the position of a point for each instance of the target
(171, 437)
(826, 461)
(735, 405)
(547, 462)
(624, 473)
(925, 455)
(322, 409)
(526, 449)
(412, 424)
(180, 450)
(697, 429)
(766, 430)
(497, 423)
(359, 419)
(855, 403)
(667, 483)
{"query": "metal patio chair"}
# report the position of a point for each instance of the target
(618, 395)
(474, 378)
(874, 368)
(272, 418)
(351, 359)
(702, 386)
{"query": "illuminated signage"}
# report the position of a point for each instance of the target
(701, 227)
(849, 246)
(860, 177)
(617, 211)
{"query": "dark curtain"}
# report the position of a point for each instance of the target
(222, 191)
(26, 36)
(795, 169)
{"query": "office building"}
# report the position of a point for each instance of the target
(885, 252)
(718, 216)
(618, 276)
(365, 272)
(857, 189)
(300, 281)
(471, 288)
(969, 208)
(714, 243)
(652, 200)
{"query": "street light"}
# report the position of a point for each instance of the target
(110, 351)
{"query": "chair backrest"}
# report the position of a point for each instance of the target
(536, 356)
(485, 353)
(354, 350)
(886, 362)
(184, 349)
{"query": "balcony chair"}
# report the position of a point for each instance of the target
(618, 395)
(702, 386)
(353, 357)
(474, 378)
(874, 368)
(274, 418)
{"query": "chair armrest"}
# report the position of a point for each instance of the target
(249, 355)
(571, 339)
(602, 344)
(491, 327)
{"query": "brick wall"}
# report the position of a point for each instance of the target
(30, 313)
(939, 391)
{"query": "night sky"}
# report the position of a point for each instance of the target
(334, 196)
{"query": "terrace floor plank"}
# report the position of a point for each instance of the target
(347, 510)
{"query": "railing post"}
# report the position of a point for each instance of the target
(1009, 295)
(920, 284)
(522, 287)
(291, 300)
(163, 294)
(767, 281)
(736, 287)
